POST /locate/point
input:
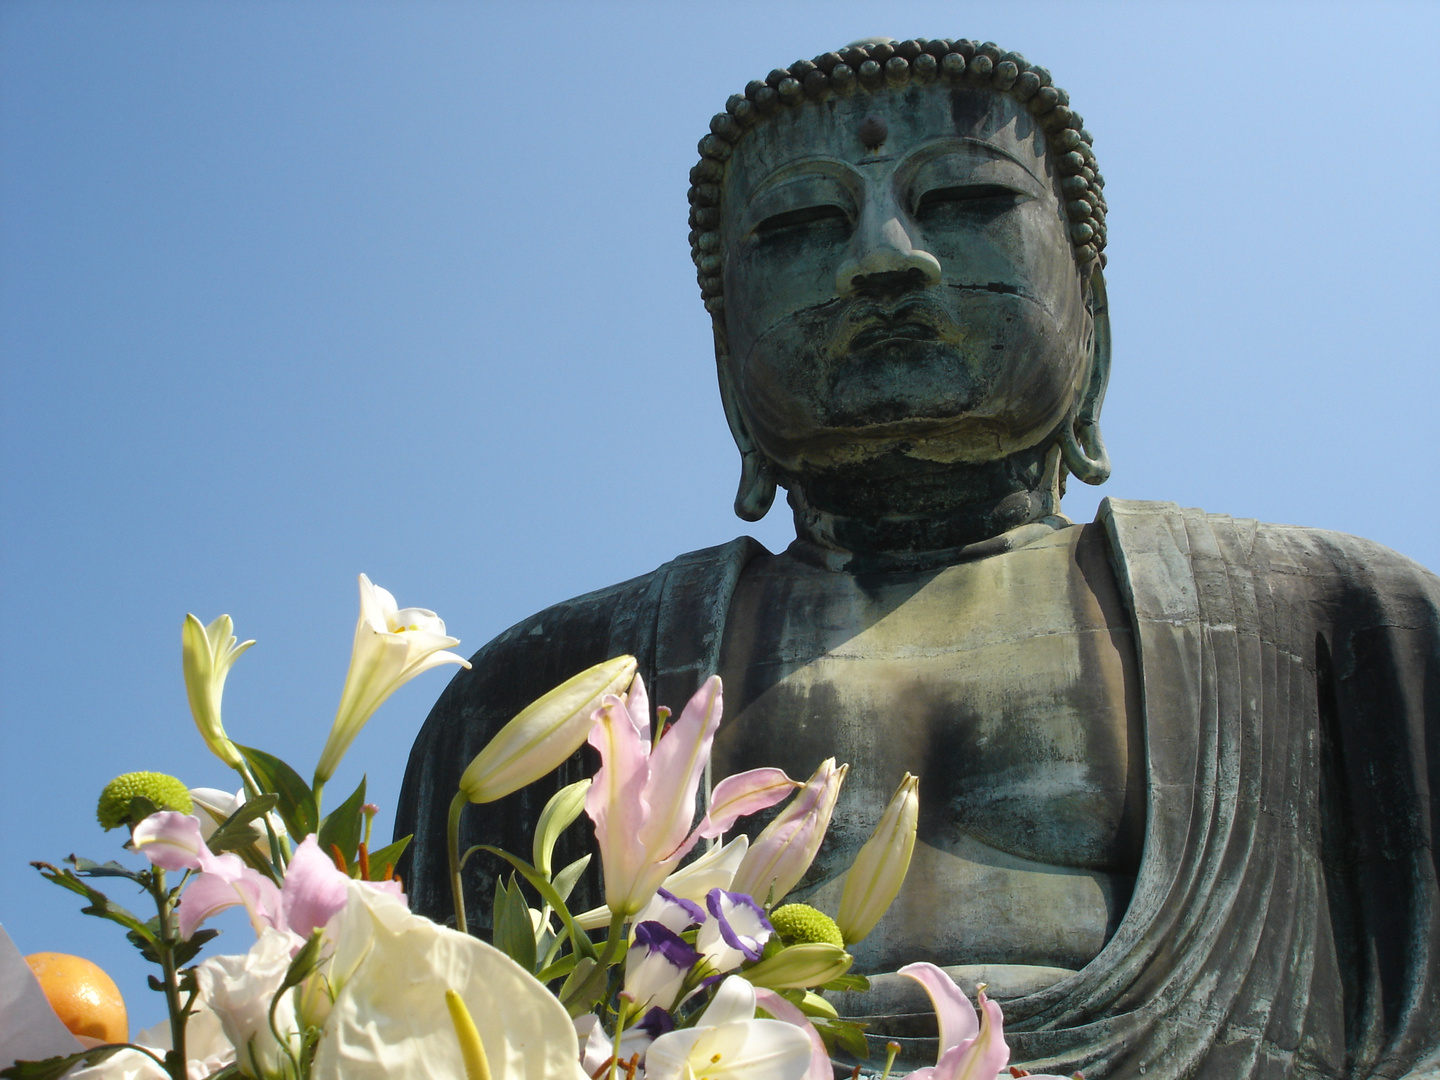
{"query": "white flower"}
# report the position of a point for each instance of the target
(239, 989)
(728, 1043)
(389, 974)
(392, 646)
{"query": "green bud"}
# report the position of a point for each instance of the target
(800, 923)
(166, 792)
(800, 966)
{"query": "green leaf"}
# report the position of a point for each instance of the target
(389, 855)
(100, 905)
(185, 951)
(845, 1034)
(584, 968)
(236, 831)
(565, 880)
(848, 982)
(56, 1067)
(344, 826)
(305, 961)
(141, 808)
(559, 814)
(90, 868)
(563, 966)
(514, 933)
(297, 801)
(580, 941)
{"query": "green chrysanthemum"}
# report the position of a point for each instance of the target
(166, 792)
(798, 924)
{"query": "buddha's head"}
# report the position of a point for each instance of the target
(900, 248)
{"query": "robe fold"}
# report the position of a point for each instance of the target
(1285, 921)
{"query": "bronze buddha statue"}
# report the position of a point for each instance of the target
(1179, 772)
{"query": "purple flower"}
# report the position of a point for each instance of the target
(736, 932)
(656, 966)
(672, 912)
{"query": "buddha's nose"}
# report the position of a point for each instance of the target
(883, 257)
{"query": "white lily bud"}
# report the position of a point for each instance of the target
(544, 733)
(207, 653)
(879, 869)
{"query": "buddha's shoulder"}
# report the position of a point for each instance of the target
(544, 649)
(1327, 559)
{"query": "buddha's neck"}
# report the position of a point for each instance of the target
(901, 513)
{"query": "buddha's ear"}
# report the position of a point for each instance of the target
(757, 482)
(1081, 444)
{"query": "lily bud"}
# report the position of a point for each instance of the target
(207, 653)
(785, 848)
(879, 869)
(800, 966)
(544, 733)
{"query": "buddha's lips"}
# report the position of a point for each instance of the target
(906, 331)
(870, 324)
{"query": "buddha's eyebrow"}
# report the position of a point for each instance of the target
(949, 145)
(814, 166)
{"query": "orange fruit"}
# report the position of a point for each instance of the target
(86, 999)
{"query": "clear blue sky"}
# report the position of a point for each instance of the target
(294, 291)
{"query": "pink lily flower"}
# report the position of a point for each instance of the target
(971, 1047)
(643, 799)
(786, 847)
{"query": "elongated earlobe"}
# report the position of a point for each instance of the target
(757, 486)
(1081, 443)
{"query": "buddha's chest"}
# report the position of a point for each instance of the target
(1008, 686)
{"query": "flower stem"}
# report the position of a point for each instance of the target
(452, 847)
(165, 950)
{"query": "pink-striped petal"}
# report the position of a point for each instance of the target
(616, 804)
(676, 765)
(314, 889)
(785, 848)
(957, 1018)
(741, 795)
(170, 840)
(637, 706)
(212, 892)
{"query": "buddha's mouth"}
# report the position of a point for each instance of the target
(902, 331)
(874, 324)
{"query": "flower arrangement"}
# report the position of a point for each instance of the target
(703, 971)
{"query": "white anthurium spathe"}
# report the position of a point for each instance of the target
(392, 646)
(729, 1043)
(207, 653)
(389, 974)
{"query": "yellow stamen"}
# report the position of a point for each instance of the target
(471, 1049)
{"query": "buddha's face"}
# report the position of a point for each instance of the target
(914, 295)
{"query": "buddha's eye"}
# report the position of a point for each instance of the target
(976, 201)
(802, 219)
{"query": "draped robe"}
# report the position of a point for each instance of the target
(1285, 920)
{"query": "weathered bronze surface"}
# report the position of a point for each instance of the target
(1180, 773)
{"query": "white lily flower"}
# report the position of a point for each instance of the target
(728, 1043)
(392, 646)
(389, 974)
(207, 653)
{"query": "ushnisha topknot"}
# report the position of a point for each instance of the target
(870, 67)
